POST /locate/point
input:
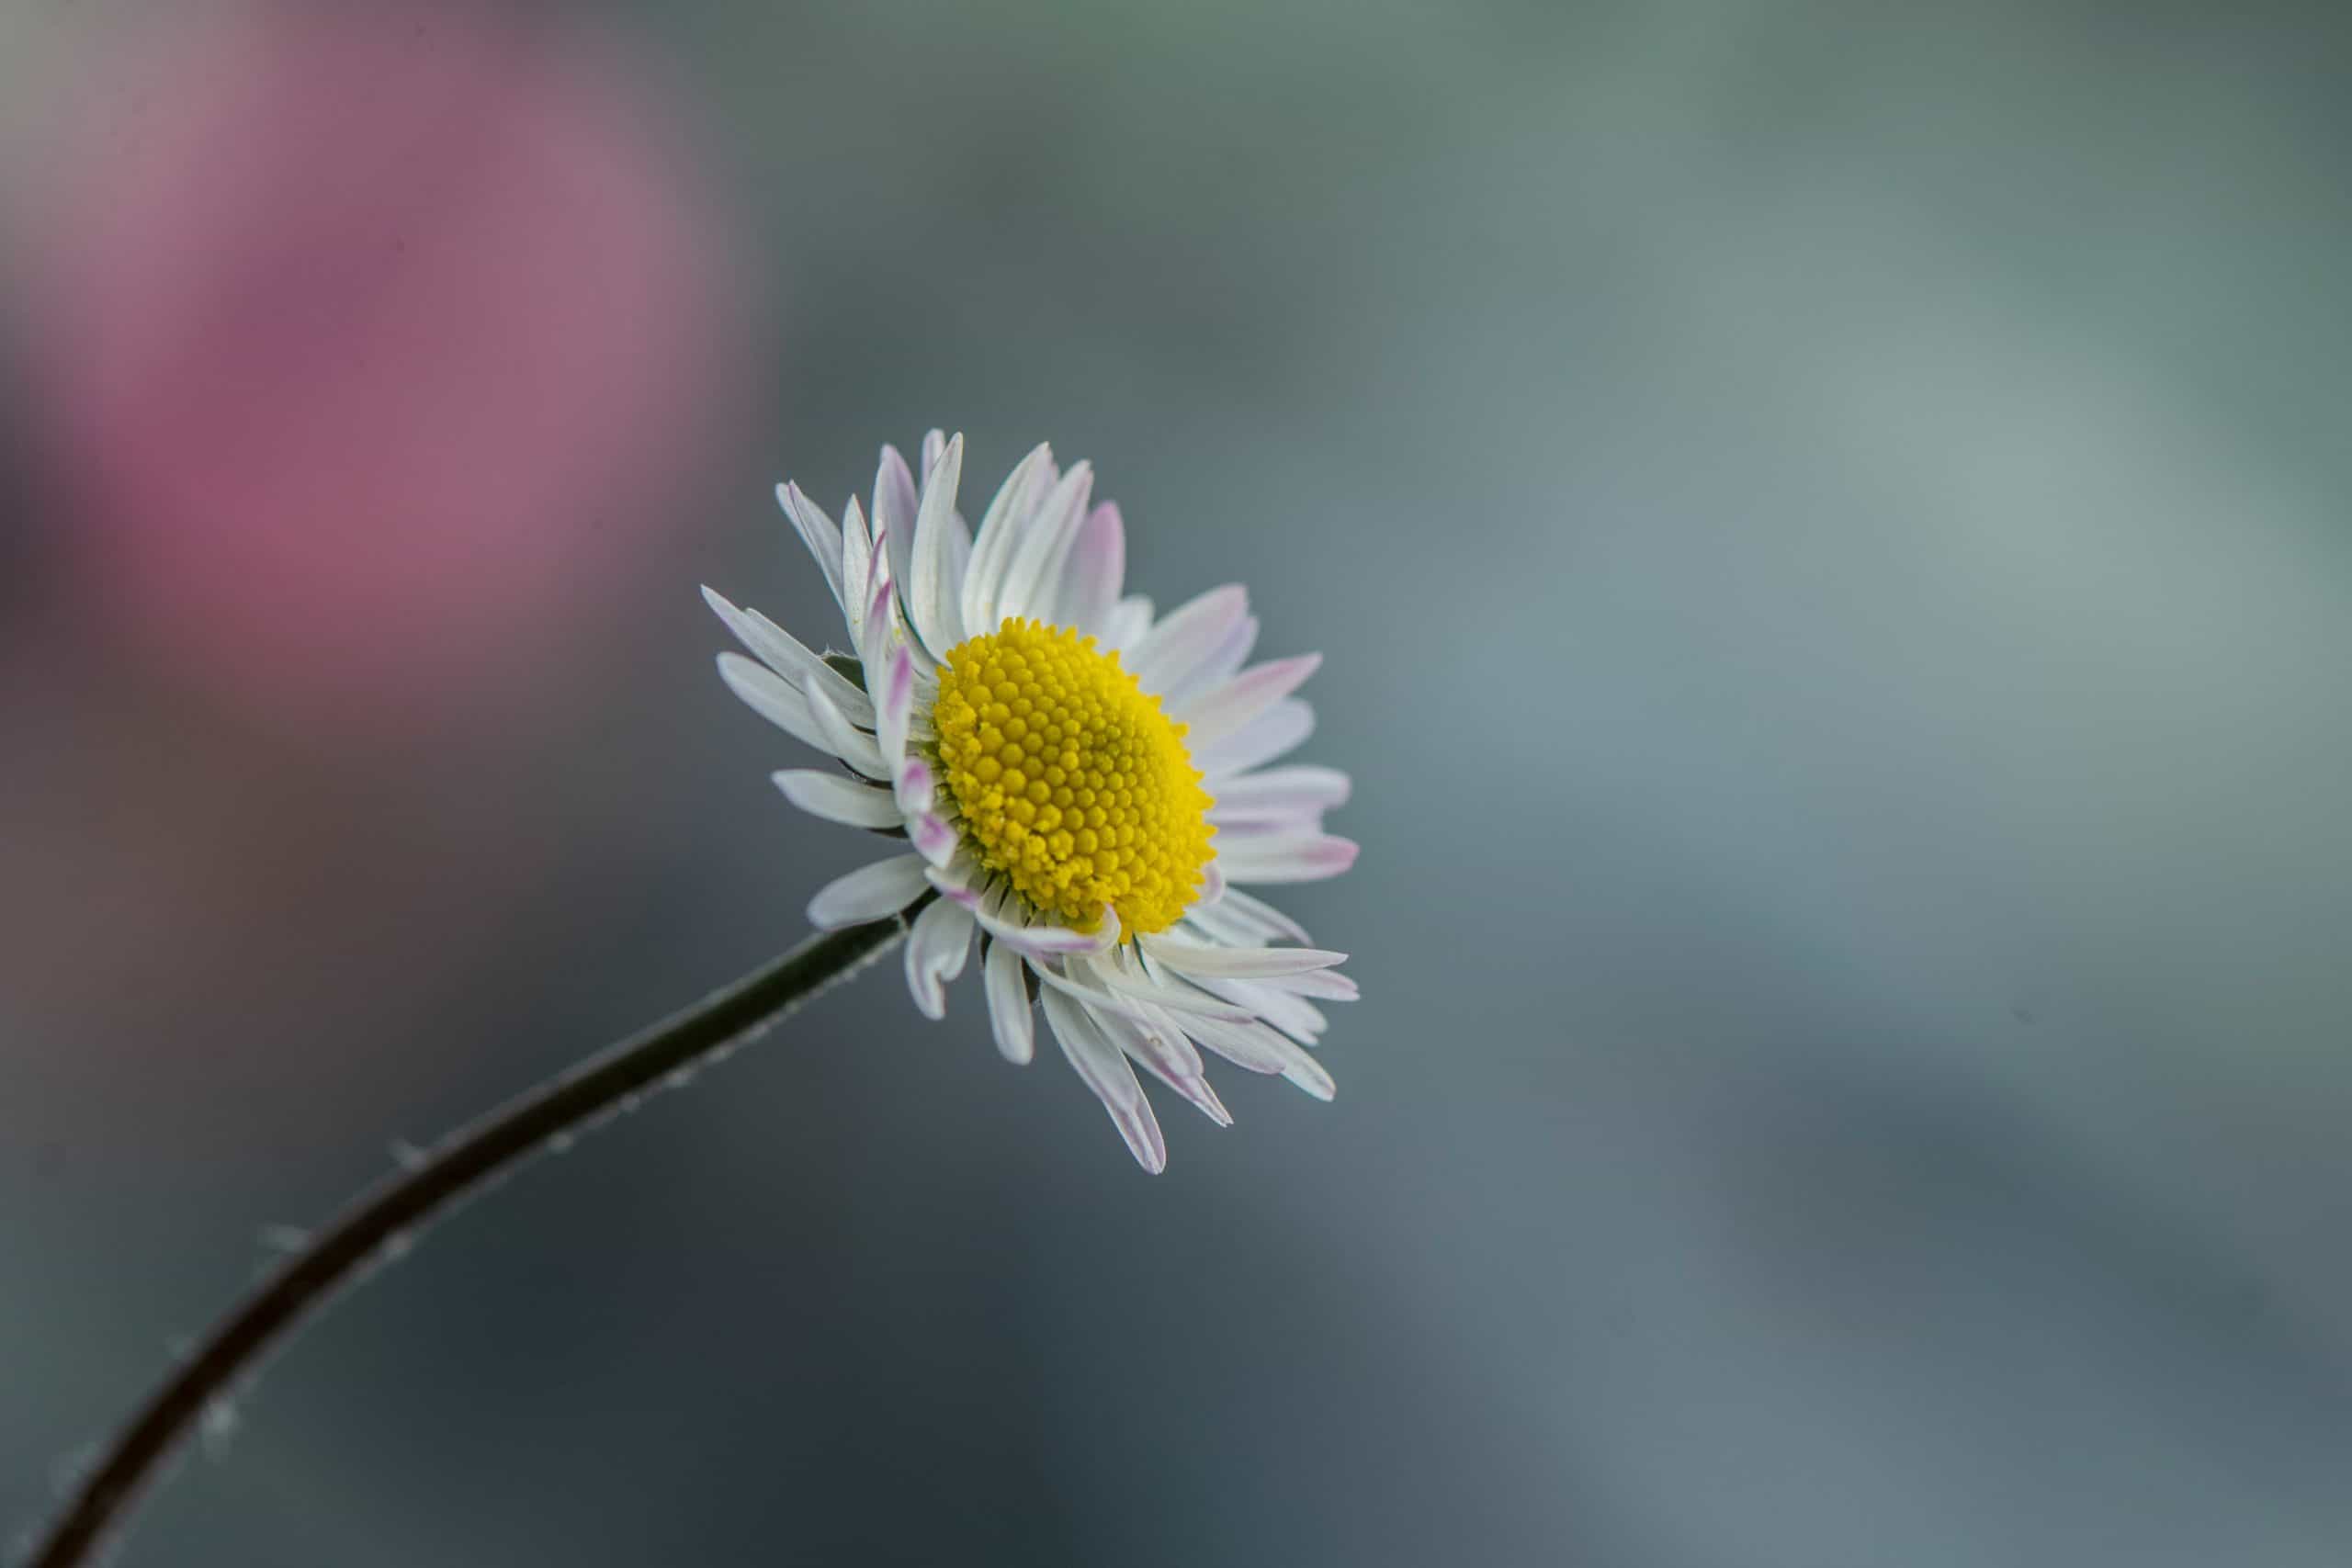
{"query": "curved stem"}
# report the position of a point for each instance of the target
(382, 1217)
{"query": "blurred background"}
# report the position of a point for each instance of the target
(1827, 523)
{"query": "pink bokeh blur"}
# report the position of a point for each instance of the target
(368, 349)
(371, 364)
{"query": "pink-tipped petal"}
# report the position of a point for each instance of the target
(837, 797)
(875, 637)
(1216, 666)
(959, 879)
(1214, 669)
(915, 785)
(857, 571)
(1305, 858)
(1091, 577)
(1186, 634)
(1229, 709)
(933, 839)
(894, 706)
(1300, 788)
(1040, 941)
(1265, 738)
(870, 893)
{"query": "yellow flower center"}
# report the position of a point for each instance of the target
(1071, 782)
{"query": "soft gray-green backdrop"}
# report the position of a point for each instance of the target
(1827, 525)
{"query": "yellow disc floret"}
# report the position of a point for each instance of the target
(1070, 781)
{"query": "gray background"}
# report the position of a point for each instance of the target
(1827, 523)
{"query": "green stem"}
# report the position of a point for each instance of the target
(382, 1219)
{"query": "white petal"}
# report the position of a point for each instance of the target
(1151, 1034)
(1186, 634)
(857, 571)
(819, 531)
(1233, 832)
(877, 631)
(934, 441)
(959, 878)
(1250, 1047)
(787, 656)
(1126, 624)
(1227, 710)
(1257, 909)
(895, 501)
(1000, 529)
(1165, 1053)
(936, 949)
(915, 787)
(1295, 1016)
(869, 893)
(1056, 974)
(1279, 792)
(772, 698)
(933, 839)
(1306, 1072)
(1215, 667)
(1237, 963)
(1135, 990)
(934, 594)
(1008, 1011)
(894, 705)
(1301, 857)
(1198, 1091)
(838, 798)
(1036, 564)
(959, 562)
(1040, 939)
(1106, 1071)
(1091, 579)
(1327, 983)
(1217, 924)
(845, 740)
(1274, 733)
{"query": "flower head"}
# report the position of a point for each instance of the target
(1083, 784)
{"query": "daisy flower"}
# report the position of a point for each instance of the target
(1085, 785)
